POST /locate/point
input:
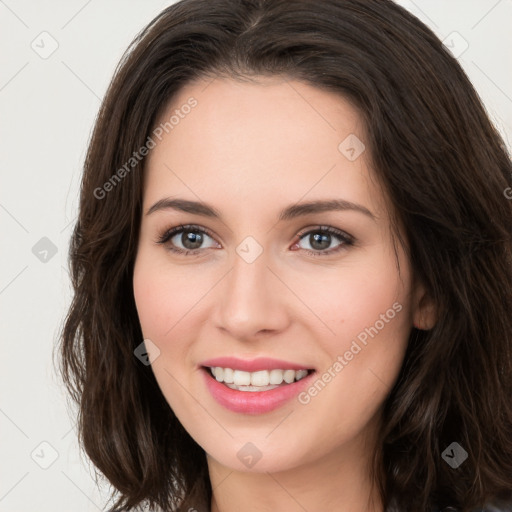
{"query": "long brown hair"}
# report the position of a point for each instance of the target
(440, 160)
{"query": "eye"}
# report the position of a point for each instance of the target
(186, 239)
(190, 239)
(320, 240)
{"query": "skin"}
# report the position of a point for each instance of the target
(250, 149)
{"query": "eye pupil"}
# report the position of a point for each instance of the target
(320, 241)
(191, 240)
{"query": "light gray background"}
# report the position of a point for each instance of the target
(47, 110)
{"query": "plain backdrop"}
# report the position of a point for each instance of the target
(56, 62)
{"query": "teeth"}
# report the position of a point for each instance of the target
(260, 378)
(289, 376)
(276, 376)
(241, 378)
(256, 381)
(228, 375)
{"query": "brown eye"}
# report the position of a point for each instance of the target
(186, 239)
(321, 239)
(190, 240)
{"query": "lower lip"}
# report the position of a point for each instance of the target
(254, 402)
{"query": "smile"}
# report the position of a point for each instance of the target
(262, 380)
(258, 391)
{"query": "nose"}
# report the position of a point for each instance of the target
(251, 300)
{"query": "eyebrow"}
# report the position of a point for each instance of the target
(291, 212)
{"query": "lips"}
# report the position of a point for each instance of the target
(254, 365)
(250, 400)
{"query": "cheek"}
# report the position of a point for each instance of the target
(364, 356)
(367, 311)
(147, 290)
(163, 298)
(354, 298)
(159, 308)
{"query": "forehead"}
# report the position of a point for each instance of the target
(274, 139)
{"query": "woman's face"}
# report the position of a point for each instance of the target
(275, 271)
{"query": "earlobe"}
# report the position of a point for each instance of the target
(425, 311)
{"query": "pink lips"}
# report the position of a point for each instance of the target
(253, 402)
(261, 363)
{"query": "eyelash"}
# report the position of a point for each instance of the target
(346, 239)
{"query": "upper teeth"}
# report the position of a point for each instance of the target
(260, 378)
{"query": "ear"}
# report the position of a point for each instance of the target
(424, 311)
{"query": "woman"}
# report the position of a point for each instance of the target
(292, 268)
